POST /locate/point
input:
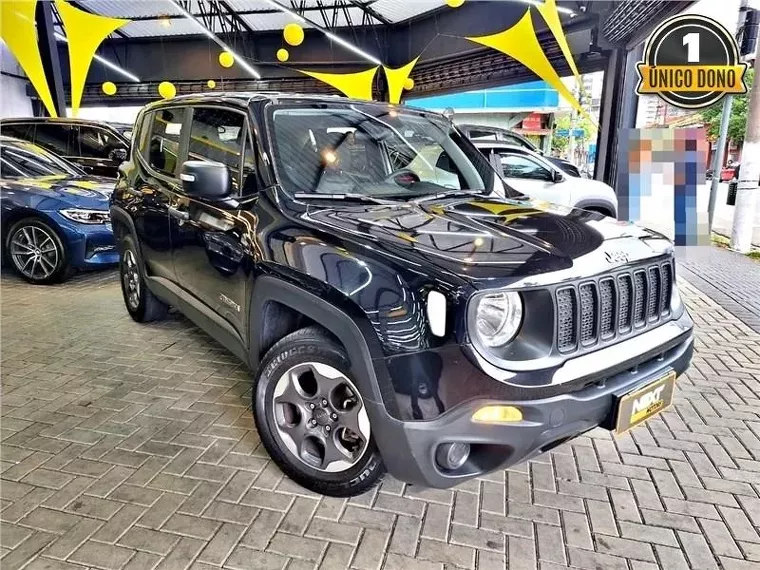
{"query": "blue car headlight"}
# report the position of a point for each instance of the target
(82, 216)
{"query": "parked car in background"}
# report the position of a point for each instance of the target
(124, 128)
(96, 147)
(55, 217)
(534, 175)
(402, 307)
(480, 133)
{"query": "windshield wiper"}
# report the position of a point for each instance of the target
(346, 196)
(449, 194)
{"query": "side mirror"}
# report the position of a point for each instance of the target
(557, 176)
(203, 179)
(118, 155)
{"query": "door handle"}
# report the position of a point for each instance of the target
(179, 214)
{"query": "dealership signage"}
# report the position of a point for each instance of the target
(691, 62)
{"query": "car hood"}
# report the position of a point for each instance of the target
(80, 191)
(484, 240)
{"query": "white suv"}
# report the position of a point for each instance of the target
(533, 175)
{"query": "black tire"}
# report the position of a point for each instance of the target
(311, 344)
(147, 307)
(55, 257)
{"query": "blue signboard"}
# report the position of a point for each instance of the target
(562, 132)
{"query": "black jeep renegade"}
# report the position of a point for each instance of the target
(402, 309)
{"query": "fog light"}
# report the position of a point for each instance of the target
(452, 456)
(497, 415)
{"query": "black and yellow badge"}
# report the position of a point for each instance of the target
(691, 62)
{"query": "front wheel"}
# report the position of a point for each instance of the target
(311, 416)
(142, 305)
(37, 252)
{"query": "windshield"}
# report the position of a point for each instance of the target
(374, 151)
(25, 160)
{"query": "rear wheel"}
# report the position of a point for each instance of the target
(142, 305)
(311, 416)
(36, 252)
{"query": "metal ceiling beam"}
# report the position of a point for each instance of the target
(368, 9)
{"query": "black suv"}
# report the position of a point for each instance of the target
(96, 147)
(401, 307)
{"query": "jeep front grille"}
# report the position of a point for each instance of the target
(598, 311)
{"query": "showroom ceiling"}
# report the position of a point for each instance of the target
(160, 43)
(157, 18)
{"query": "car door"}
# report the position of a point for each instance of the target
(212, 241)
(531, 176)
(98, 150)
(154, 184)
(56, 137)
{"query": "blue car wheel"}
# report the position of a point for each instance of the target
(37, 252)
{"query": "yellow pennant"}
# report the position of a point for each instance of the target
(84, 32)
(548, 10)
(397, 78)
(520, 42)
(355, 85)
(19, 33)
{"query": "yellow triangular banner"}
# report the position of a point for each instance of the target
(520, 42)
(355, 85)
(397, 78)
(19, 33)
(84, 32)
(548, 10)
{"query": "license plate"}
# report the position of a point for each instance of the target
(643, 403)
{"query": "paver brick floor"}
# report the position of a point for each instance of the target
(129, 446)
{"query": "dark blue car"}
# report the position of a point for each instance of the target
(55, 218)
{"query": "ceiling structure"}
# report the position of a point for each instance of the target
(173, 40)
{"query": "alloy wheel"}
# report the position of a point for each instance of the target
(320, 416)
(34, 252)
(131, 280)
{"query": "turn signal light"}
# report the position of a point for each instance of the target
(497, 415)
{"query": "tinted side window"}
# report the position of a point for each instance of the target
(218, 135)
(55, 137)
(163, 146)
(95, 142)
(24, 131)
(516, 166)
(515, 141)
(482, 135)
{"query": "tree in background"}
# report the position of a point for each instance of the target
(737, 124)
(561, 142)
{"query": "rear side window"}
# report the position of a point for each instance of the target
(163, 144)
(24, 131)
(218, 135)
(55, 137)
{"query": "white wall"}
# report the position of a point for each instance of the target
(14, 102)
(107, 114)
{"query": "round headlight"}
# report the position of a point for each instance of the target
(498, 317)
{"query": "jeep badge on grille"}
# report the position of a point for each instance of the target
(616, 256)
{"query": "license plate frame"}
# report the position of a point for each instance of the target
(628, 408)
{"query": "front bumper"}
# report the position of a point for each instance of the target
(89, 246)
(409, 447)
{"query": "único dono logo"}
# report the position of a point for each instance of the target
(691, 62)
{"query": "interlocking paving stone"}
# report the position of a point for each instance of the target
(132, 447)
